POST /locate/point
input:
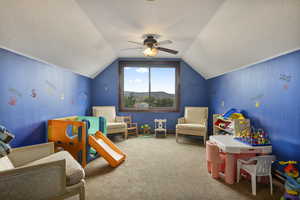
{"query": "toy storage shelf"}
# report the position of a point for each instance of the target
(237, 127)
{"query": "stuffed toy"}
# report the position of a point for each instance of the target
(5, 138)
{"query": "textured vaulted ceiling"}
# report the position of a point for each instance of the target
(213, 36)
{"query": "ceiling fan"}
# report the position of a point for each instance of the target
(151, 46)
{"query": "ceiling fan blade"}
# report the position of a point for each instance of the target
(133, 48)
(164, 42)
(167, 50)
(139, 43)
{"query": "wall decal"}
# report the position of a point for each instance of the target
(285, 77)
(51, 88)
(12, 101)
(33, 93)
(106, 88)
(15, 91)
(257, 97)
(62, 96)
(50, 91)
(51, 85)
(257, 104)
(223, 103)
(83, 96)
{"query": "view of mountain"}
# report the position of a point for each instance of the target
(157, 95)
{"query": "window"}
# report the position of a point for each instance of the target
(149, 86)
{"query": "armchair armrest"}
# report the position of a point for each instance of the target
(42, 181)
(204, 122)
(119, 119)
(23, 155)
(181, 120)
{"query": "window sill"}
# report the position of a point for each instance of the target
(151, 110)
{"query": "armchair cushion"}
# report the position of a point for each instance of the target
(194, 115)
(5, 164)
(116, 125)
(195, 127)
(119, 119)
(108, 112)
(74, 172)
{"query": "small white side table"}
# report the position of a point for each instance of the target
(160, 125)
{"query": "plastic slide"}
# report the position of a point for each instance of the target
(108, 150)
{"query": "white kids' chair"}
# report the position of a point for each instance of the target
(160, 126)
(256, 166)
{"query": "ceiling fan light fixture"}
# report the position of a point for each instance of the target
(150, 52)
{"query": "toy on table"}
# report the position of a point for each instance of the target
(82, 137)
(292, 183)
(254, 137)
(146, 128)
(5, 138)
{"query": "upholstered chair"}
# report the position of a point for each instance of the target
(194, 122)
(36, 172)
(115, 124)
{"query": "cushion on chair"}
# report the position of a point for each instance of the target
(74, 171)
(194, 115)
(5, 164)
(195, 127)
(118, 125)
(108, 112)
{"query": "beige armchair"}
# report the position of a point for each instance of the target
(37, 173)
(194, 122)
(115, 124)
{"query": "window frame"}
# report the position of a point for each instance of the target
(149, 64)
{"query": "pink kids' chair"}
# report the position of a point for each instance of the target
(215, 160)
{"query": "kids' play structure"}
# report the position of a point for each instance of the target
(84, 137)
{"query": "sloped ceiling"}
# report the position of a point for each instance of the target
(244, 32)
(213, 36)
(56, 31)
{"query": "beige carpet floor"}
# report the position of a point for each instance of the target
(161, 169)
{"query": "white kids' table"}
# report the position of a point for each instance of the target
(233, 150)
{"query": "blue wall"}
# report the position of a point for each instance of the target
(32, 92)
(193, 93)
(275, 86)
